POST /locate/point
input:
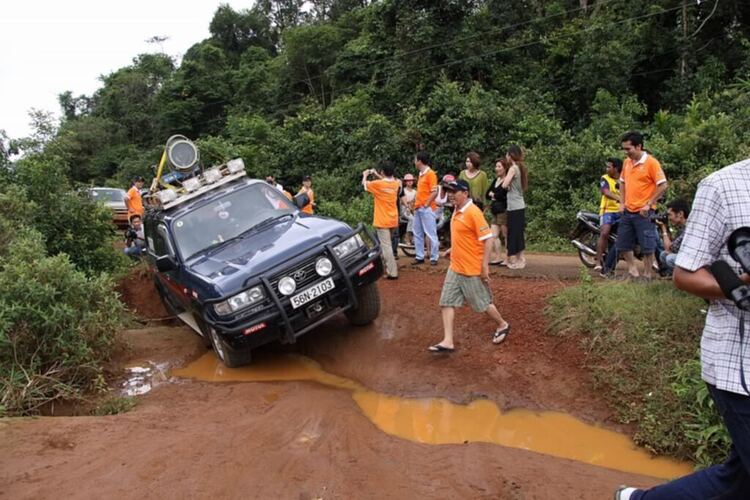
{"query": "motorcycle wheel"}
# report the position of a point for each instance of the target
(590, 240)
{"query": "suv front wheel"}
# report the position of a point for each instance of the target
(230, 357)
(368, 306)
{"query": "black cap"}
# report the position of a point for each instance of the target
(459, 185)
(137, 178)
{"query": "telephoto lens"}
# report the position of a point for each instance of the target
(739, 247)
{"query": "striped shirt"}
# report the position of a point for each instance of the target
(722, 204)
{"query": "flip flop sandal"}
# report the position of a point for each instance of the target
(500, 335)
(439, 348)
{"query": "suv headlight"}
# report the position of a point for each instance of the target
(348, 246)
(239, 301)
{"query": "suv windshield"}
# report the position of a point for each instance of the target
(228, 217)
(107, 195)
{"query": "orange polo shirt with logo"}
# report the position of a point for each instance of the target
(135, 203)
(469, 230)
(641, 180)
(385, 194)
(426, 185)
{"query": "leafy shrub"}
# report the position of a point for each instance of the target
(641, 343)
(56, 325)
(69, 220)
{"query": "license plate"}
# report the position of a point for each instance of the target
(312, 293)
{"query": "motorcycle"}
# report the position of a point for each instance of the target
(586, 238)
(443, 233)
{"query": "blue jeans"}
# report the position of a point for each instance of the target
(667, 260)
(728, 481)
(135, 251)
(425, 224)
(635, 228)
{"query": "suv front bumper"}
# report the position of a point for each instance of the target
(276, 319)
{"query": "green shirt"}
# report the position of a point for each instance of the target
(478, 186)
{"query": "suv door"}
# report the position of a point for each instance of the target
(160, 245)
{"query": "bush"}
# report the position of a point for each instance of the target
(69, 220)
(641, 343)
(56, 322)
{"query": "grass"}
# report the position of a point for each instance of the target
(642, 347)
(113, 405)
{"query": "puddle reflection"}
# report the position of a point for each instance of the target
(439, 421)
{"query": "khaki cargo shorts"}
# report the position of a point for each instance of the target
(458, 288)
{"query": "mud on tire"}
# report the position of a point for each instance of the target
(230, 357)
(368, 306)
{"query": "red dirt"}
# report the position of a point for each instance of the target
(302, 440)
(138, 292)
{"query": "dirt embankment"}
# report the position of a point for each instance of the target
(302, 440)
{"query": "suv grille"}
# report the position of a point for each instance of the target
(304, 274)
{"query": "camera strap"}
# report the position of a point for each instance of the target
(742, 349)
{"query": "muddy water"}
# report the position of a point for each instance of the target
(439, 421)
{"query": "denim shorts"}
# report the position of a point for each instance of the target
(635, 228)
(609, 218)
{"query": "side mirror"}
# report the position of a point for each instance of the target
(165, 263)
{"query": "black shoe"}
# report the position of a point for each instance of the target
(417, 262)
(433, 263)
(391, 277)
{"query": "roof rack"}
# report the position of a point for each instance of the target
(169, 196)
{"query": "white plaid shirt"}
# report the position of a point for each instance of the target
(722, 204)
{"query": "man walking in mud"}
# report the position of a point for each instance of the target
(468, 277)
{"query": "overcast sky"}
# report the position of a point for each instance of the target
(48, 47)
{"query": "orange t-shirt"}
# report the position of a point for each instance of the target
(308, 209)
(385, 193)
(641, 181)
(426, 185)
(469, 230)
(135, 203)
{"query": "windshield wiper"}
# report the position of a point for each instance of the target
(212, 249)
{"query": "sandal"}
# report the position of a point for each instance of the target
(440, 348)
(499, 335)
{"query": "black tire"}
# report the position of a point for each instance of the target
(230, 357)
(408, 250)
(368, 306)
(589, 239)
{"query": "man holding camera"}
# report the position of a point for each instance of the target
(642, 183)
(722, 205)
(135, 241)
(677, 214)
(385, 218)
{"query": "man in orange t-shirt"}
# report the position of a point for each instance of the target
(425, 220)
(385, 219)
(642, 182)
(133, 200)
(468, 277)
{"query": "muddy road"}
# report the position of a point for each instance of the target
(345, 413)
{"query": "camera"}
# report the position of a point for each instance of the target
(657, 217)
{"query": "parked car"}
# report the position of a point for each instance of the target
(115, 199)
(236, 261)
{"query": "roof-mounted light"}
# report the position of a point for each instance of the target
(235, 166)
(191, 184)
(211, 176)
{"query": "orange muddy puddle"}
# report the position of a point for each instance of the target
(439, 421)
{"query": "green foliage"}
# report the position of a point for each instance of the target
(641, 342)
(56, 324)
(114, 405)
(69, 221)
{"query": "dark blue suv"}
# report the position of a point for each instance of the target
(241, 265)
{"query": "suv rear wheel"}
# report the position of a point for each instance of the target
(368, 306)
(230, 357)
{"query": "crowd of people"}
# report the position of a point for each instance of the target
(487, 213)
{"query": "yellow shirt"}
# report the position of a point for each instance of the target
(608, 205)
